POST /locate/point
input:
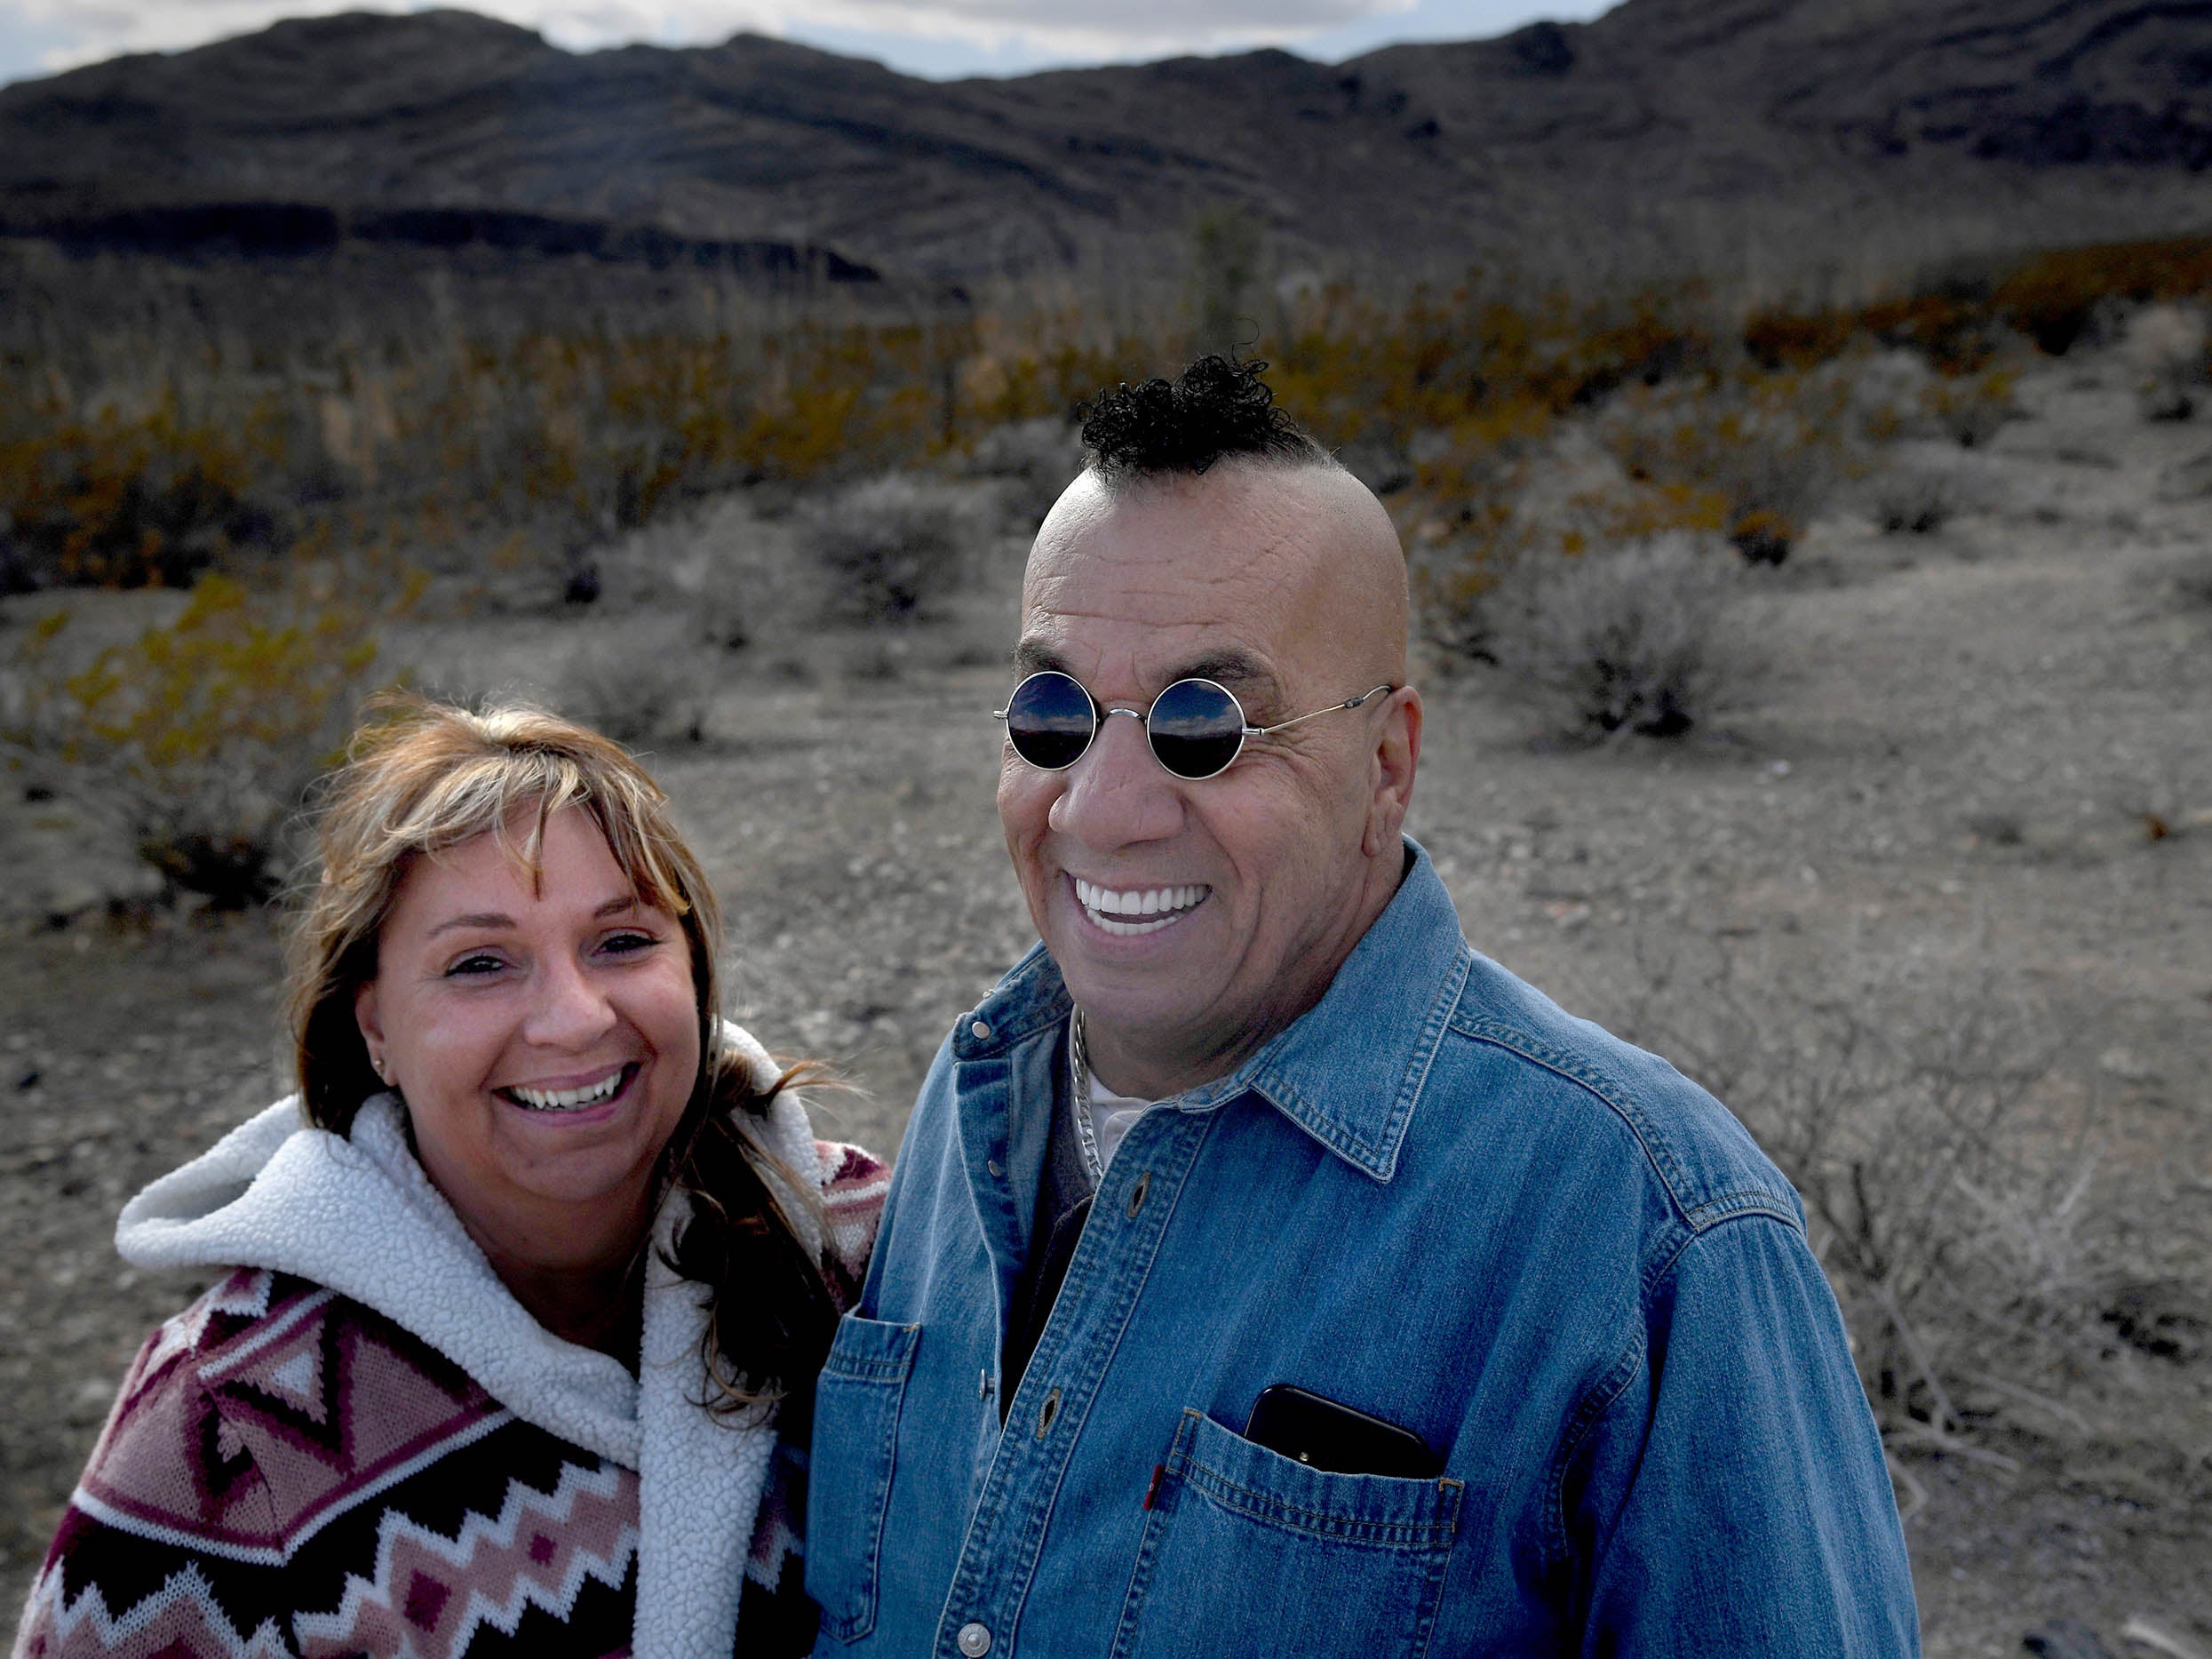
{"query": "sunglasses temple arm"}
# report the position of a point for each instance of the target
(1334, 708)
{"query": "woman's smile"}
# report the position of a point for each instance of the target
(566, 1098)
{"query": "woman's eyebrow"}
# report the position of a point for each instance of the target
(492, 920)
(488, 920)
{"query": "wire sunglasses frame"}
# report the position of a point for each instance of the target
(1233, 721)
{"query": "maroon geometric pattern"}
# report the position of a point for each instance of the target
(287, 1474)
(252, 1438)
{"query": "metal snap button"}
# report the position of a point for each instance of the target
(980, 1030)
(974, 1639)
(1137, 1192)
(991, 1164)
(983, 1385)
(1046, 1413)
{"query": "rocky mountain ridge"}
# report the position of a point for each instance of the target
(1663, 135)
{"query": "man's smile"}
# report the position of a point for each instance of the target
(1135, 910)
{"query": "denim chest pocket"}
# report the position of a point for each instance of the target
(1245, 1551)
(855, 1446)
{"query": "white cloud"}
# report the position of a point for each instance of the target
(948, 35)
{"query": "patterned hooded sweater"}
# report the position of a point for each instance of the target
(359, 1442)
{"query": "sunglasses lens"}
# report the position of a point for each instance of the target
(1050, 721)
(1196, 729)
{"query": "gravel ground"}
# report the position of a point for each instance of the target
(1954, 769)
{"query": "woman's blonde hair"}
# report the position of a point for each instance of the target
(420, 777)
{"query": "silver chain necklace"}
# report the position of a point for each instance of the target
(1079, 1081)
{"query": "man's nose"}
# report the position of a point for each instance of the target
(1117, 793)
(568, 1010)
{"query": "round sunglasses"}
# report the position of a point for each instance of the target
(1197, 727)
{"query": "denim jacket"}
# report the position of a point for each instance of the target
(1436, 1199)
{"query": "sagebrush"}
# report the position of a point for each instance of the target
(1636, 641)
(890, 546)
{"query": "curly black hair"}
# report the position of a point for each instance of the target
(1217, 408)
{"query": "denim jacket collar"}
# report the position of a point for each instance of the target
(1348, 1072)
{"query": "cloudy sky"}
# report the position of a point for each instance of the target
(934, 37)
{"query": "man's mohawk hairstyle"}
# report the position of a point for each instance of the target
(1217, 410)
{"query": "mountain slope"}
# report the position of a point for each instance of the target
(1648, 137)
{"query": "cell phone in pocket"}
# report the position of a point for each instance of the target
(1336, 1438)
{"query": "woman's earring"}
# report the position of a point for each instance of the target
(383, 1071)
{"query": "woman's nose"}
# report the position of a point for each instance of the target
(1117, 793)
(569, 1011)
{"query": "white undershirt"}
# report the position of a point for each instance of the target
(1112, 1116)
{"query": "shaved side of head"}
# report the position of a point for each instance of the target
(1313, 539)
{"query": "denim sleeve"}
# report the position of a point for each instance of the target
(1734, 1500)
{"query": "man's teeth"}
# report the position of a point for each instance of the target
(570, 1099)
(1137, 910)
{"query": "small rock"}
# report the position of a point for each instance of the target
(2064, 1638)
(2187, 480)
(2127, 1065)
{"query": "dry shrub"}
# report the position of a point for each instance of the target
(1915, 498)
(1970, 410)
(1888, 390)
(891, 546)
(1762, 454)
(2055, 298)
(2166, 348)
(118, 503)
(641, 686)
(1975, 1258)
(1459, 564)
(1033, 461)
(199, 736)
(1638, 640)
(2192, 580)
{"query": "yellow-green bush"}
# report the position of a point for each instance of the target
(111, 502)
(200, 735)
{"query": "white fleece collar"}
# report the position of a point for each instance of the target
(358, 1216)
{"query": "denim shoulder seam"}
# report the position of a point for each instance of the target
(1604, 1394)
(1664, 1263)
(1596, 1400)
(1698, 1216)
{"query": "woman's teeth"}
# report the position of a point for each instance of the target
(568, 1099)
(1136, 910)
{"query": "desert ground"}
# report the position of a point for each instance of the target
(1975, 774)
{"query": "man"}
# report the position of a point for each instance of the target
(1264, 1271)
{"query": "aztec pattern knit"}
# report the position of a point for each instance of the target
(288, 1473)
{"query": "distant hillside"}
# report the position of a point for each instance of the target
(1672, 134)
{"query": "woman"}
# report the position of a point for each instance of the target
(519, 1282)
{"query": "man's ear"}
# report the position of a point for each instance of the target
(1398, 756)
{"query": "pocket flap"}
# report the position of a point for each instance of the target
(872, 1351)
(1382, 1511)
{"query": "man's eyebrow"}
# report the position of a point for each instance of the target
(1231, 669)
(1234, 669)
(1035, 656)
